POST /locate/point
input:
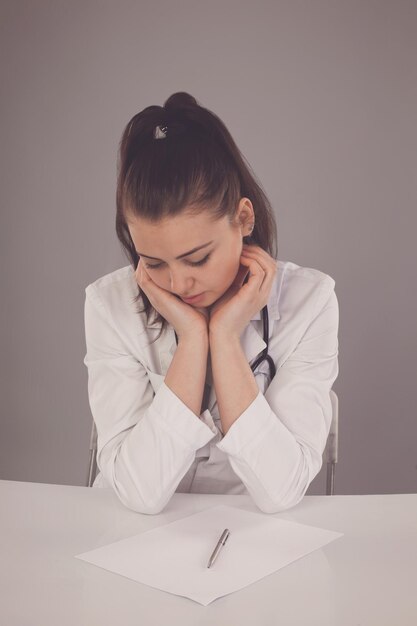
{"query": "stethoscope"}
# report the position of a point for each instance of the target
(263, 356)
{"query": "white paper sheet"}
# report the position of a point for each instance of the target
(174, 557)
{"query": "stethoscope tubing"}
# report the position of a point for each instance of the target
(264, 356)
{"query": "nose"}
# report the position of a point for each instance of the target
(181, 282)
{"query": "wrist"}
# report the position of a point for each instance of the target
(220, 335)
(193, 336)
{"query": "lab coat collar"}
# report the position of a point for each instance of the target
(251, 339)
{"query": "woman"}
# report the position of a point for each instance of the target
(176, 403)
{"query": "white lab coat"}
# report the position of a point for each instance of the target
(150, 444)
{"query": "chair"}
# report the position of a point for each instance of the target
(332, 445)
(329, 454)
(92, 465)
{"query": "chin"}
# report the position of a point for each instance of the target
(209, 300)
(216, 297)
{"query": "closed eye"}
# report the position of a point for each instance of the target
(193, 264)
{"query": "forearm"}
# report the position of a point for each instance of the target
(145, 466)
(233, 379)
(187, 372)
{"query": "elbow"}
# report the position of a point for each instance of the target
(131, 493)
(143, 507)
(132, 500)
(288, 495)
(278, 505)
(294, 491)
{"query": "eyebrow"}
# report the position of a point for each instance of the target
(181, 255)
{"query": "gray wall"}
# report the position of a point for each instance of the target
(321, 98)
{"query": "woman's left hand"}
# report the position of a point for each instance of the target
(231, 313)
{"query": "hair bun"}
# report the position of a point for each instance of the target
(180, 100)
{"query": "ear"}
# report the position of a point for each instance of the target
(245, 217)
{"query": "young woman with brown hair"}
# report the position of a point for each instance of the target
(219, 381)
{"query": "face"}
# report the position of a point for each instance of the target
(192, 255)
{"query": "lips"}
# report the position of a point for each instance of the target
(193, 298)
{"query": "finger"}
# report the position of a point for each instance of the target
(138, 271)
(142, 275)
(264, 259)
(269, 271)
(256, 272)
(240, 276)
(257, 252)
(252, 248)
(147, 285)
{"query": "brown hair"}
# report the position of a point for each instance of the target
(196, 163)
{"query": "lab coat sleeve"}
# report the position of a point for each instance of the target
(276, 445)
(146, 440)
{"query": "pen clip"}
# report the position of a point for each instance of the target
(225, 536)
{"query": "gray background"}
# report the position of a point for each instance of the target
(321, 97)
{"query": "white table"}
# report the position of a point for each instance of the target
(367, 577)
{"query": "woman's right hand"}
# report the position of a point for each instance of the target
(185, 319)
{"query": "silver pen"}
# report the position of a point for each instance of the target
(220, 544)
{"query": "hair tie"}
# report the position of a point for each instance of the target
(160, 132)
